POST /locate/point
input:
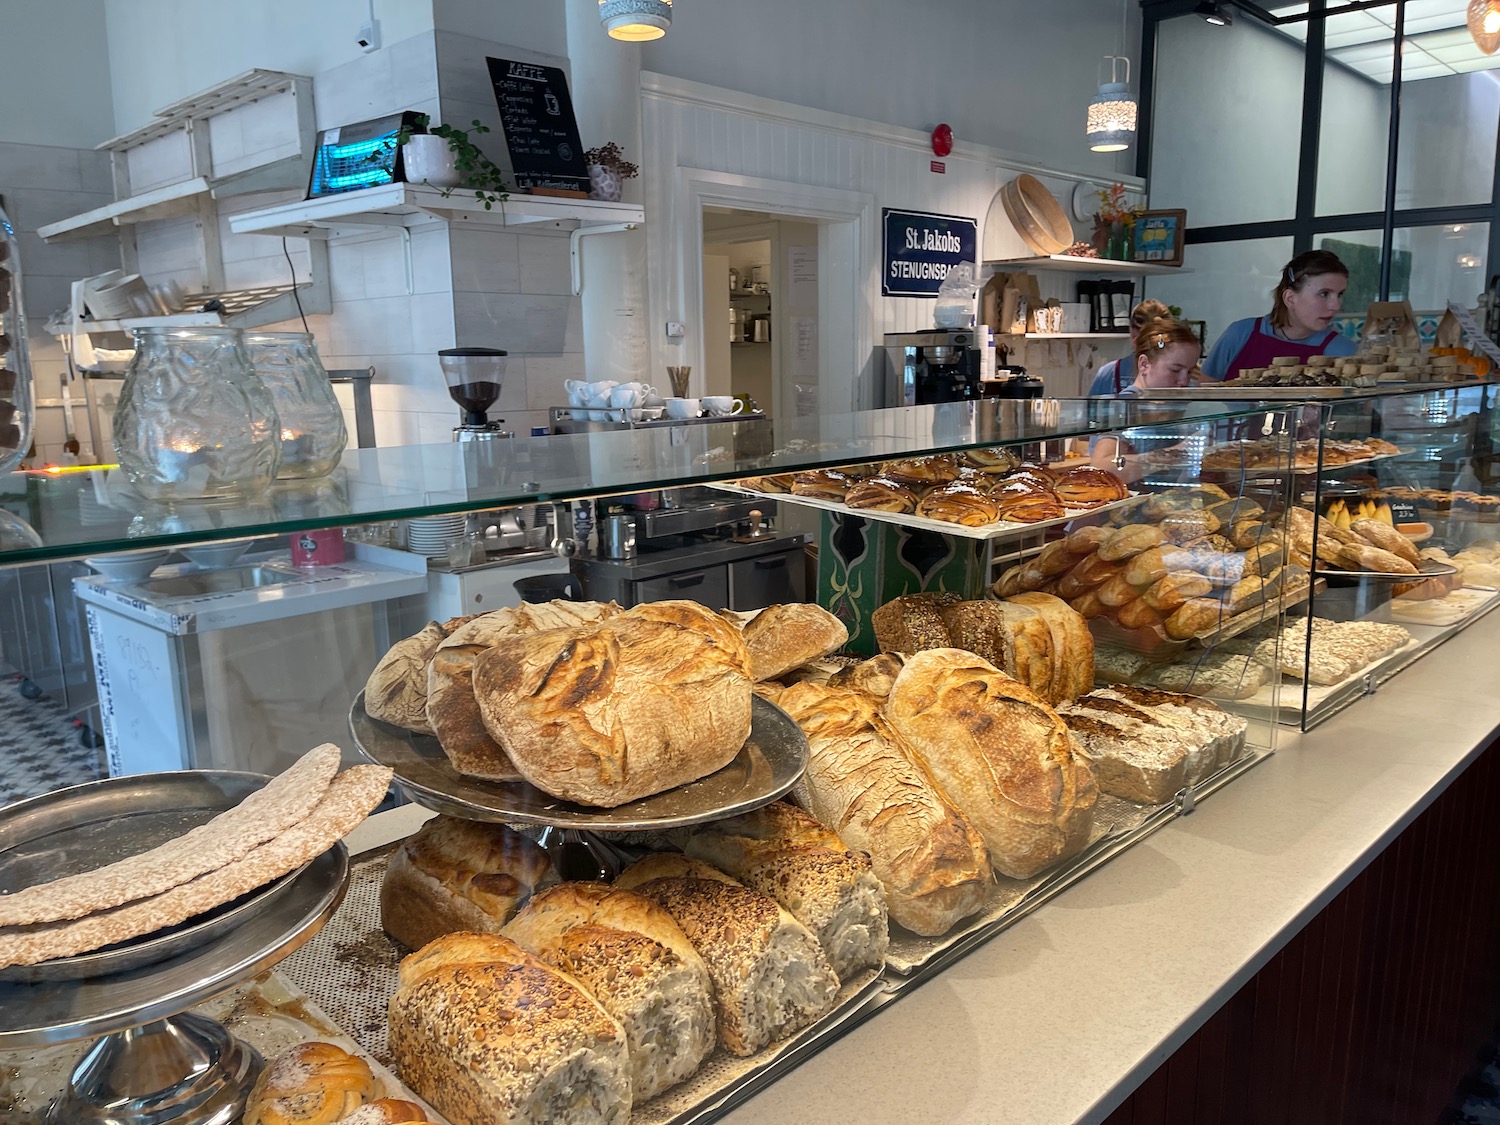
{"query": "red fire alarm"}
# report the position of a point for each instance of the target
(942, 140)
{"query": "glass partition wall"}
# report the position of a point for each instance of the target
(1367, 130)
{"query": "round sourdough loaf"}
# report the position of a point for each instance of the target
(999, 754)
(650, 699)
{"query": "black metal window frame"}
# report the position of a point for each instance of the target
(1306, 224)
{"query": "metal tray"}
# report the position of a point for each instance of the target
(768, 765)
(1001, 529)
(84, 827)
(1430, 568)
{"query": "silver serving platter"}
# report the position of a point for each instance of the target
(1430, 568)
(85, 827)
(35, 1014)
(768, 765)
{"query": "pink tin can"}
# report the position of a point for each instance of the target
(317, 548)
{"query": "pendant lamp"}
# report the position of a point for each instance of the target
(1111, 118)
(635, 21)
(1484, 24)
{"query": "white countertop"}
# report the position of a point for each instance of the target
(1059, 1018)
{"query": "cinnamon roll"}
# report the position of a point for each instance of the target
(959, 503)
(882, 494)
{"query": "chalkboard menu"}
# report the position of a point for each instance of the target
(540, 130)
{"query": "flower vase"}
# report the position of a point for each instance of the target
(604, 183)
(1119, 242)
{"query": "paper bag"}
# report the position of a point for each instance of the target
(1021, 294)
(1450, 333)
(1391, 322)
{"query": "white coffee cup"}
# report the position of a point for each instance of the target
(720, 405)
(683, 408)
(628, 395)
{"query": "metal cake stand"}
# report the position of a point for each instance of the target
(766, 767)
(155, 1062)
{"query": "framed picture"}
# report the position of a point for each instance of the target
(1158, 237)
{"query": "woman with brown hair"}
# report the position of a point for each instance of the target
(1306, 299)
(1118, 374)
(1166, 354)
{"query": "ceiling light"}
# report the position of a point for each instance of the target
(1484, 24)
(635, 21)
(1111, 117)
(1214, 13)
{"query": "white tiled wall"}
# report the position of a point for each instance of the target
(42, 184)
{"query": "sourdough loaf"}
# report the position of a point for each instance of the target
(396, 691)
(999, 753)
(638, 964)
(781, 851)
(652, 698)
(782, 637)
(861, 783)
(770, 976)
(453, 875)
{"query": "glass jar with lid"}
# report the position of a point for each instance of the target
(194, 422)
(312, 434)
(16, 415)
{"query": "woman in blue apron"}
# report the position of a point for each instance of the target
(1307, 297)
(1118, 374)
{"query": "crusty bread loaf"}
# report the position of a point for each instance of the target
(782, 851)
(487, 1032)
(310, 1084)
(452, 710)
(396, 691)
(770, 976)
(874, 676)
(912, 622)
(1072, 645)
(862, 784)
(647, 700)
(638, 964)
(999, 753)
(783, 637)
(454, 875)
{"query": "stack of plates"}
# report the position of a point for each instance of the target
(430, 535)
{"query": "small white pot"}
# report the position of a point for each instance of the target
(430, 160)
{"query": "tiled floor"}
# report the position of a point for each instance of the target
(39, 748)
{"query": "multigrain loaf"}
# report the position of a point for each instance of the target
(638, 964)
(863, 785)
(782, 851)
(912, 622)
(458, 875)
(396, 691)
(652, 698)
(487, 1032)
(770, 976)
(782, 637)
(999, 753)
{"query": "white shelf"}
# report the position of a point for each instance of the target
(1076, 264)
(405, 205)
(1125, 336)
(162, 203)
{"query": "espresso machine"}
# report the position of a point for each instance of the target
(938, 365)
(474, 377)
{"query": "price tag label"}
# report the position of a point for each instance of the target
(1403, 511)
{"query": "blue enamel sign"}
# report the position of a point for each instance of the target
(920, 249)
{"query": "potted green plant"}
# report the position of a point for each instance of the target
(444, 157)
(608, 169)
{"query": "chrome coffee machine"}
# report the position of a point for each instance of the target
(939, 365)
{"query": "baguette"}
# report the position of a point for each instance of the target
(487, 1032)
(1130, 541)
(1117, 591)
(1193, 617)
(1387, 538)
(1000, 754)
(1173, 589)
(861, 783)
(1138, 614)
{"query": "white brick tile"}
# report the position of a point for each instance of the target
(545, 375)
(484, 261)
(519, 323)
(432, 322)
(30, 208)
(40, 258)
(384, 266)
(395, 427)
(346, 270)
(44, 166)
(544, 265)
(431, 260)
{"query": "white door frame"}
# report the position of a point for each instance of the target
(845, 310)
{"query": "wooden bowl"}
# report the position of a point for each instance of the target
(1037, 215)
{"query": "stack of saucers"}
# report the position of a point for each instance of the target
(430, 535)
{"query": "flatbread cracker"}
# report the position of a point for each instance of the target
(286, 799)
(345, 804)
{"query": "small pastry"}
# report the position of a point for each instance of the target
(881, 494)
(822, 484)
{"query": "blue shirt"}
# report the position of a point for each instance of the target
(1237, 335)
(1104, 379)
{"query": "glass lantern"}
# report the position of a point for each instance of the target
(194, 422)
(313, 434)
(15, 366)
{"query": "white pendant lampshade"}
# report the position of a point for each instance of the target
(1484, 24)
(635, 21)
(1111, 119)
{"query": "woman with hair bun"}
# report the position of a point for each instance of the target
(1118, 374)
(1166, 354)
(1307, 297)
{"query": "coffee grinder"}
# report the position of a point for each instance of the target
(474, 377)
(938, 365)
